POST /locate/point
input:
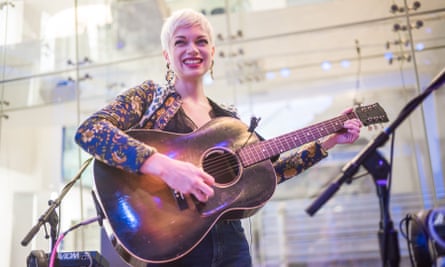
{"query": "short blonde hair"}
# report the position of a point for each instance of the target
(184, 18)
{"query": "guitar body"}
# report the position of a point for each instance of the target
(147, 222)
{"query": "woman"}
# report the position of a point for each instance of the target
(181, 106)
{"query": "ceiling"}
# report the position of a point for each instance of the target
(267, 51)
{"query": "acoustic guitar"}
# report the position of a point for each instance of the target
(148, 222)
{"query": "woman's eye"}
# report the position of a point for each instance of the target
(179, 42)
(203, 42)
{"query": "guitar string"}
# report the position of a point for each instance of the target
(214, 163)
(291, 139)
(220, 164)
(251, 153)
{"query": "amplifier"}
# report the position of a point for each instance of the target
(38, 258)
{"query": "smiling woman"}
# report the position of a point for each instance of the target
(193, 230)
(267, 61)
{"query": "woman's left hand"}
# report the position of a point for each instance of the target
(349, 134)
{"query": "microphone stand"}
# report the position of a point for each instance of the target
(380, 169)
(50, 215)
(364, 158)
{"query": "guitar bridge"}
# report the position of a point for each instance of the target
(180, 200)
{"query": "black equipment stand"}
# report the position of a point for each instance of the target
(379, 168)
(50, 215)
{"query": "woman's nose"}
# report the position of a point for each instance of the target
(192, 49)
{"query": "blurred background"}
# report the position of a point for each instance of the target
(291, 63)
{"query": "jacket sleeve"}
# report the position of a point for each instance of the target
(295, 163)
(103, 133)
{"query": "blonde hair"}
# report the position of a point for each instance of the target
(184, 18)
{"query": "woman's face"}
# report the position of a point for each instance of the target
(190, 52)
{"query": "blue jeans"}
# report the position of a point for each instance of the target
(224, 246)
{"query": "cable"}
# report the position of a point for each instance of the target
(60, 238)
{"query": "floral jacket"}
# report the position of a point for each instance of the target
(151, 106)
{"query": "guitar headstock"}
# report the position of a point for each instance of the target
(371, 114)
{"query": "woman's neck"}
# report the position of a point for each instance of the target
(193, 90)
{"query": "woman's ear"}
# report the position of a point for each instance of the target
(166, 57)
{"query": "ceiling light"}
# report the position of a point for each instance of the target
(388, 55)
(420, 46)
(270, 75)
(285, 72)
(326, 65)
(345, 63)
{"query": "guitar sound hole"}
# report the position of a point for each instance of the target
(222, 165)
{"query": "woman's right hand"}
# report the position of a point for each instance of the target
(180, 176)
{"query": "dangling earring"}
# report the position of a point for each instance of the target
(170, 75)
(211, 70)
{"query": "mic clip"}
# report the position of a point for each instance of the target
(253, 123)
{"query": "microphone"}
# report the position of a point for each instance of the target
(253, 123)
(437, 81)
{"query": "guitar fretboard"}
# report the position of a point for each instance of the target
(263, 150)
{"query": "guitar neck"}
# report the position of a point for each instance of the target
(260, 151)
